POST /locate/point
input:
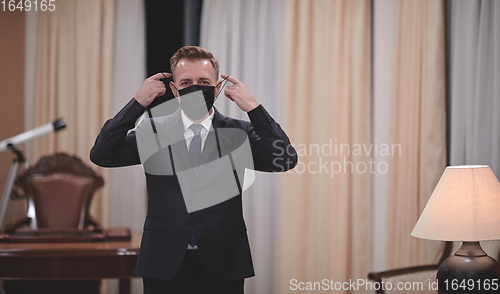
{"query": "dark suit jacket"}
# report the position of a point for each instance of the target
(220, 229)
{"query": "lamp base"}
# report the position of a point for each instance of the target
(470, 270)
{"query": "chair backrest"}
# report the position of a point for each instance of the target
(61, 188)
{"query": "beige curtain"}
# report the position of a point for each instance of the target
(73, 80)
(418, 126)
(325, 219)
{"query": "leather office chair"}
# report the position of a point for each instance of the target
(60, 187)
(412, 277)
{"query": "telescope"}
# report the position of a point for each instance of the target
(10, 144)
(54, 126)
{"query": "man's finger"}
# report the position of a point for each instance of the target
(231, 79)
(160, 75)
(162, 92)
(226, 93)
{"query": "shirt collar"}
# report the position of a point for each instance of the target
(206, 123)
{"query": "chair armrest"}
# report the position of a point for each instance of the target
(25, 221)
(379, 277)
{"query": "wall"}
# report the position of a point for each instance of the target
(12, 48)
(384, 19)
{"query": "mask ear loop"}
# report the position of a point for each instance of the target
(225, 82)
(153, 123)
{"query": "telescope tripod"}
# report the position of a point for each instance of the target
(11, 177)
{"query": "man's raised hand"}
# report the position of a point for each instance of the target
(239, 93)
(151, 88)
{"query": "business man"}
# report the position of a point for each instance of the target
(194, 243)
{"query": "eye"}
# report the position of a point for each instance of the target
(185, 83)
(205, 82)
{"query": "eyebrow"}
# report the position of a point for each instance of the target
(200, 79)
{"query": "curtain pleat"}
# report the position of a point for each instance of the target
(475, 80)
(73, 80)
(246, 38)
(417, 126)
(475, 87)
(325, 210)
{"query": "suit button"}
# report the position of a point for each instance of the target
(187, 222)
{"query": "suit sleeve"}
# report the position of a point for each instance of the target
(271, 147)
(114, 146)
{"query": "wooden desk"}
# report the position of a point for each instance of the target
(70, 261)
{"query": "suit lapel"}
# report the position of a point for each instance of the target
(175, 129)
(210, 150)
(211, 143)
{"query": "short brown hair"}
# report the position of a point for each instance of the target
(193, 53)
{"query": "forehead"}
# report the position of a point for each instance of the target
(194, 69)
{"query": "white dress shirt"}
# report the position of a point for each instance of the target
(189, 134)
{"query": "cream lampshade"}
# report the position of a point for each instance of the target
(465, 206)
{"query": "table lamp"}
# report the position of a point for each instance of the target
(465, 206)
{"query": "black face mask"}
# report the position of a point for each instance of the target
(197, 100)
